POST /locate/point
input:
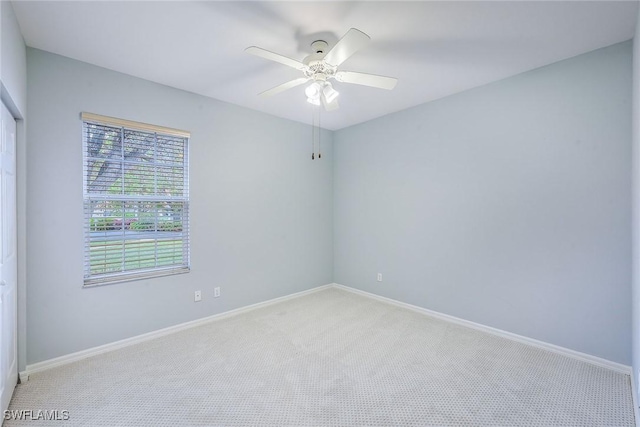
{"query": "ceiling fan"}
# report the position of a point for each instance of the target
(321, 66)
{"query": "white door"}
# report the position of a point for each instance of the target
(8, 263)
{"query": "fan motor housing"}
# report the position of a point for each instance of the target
(318, 69)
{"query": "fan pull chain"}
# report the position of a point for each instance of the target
(313, 135)
(319, 131)
(315, 111)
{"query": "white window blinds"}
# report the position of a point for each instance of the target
(136, 200)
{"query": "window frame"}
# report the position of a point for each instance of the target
(124, 275)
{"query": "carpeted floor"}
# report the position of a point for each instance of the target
(330, 358)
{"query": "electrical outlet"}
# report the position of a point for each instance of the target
(216, 292)
(197, 296)
(379, 277)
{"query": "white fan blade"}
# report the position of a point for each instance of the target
(346, 46)
(330, 106)
(284, 86)
(372, 80)
(258, 51)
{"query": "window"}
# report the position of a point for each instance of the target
(136, 200)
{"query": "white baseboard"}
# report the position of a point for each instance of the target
(594, 360)
(94, 351)
(83, 354)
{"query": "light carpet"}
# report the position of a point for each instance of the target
(329, 358)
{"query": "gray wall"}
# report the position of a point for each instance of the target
(13, 91)
(261, 210)
(636, 205)
(507, 205)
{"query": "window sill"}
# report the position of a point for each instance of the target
(134, 276)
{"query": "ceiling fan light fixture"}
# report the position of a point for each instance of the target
(313, 91)
(330, 94)
(314, 101)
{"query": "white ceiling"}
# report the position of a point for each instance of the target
(434, 48)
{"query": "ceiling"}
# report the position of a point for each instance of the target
(435, 49)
